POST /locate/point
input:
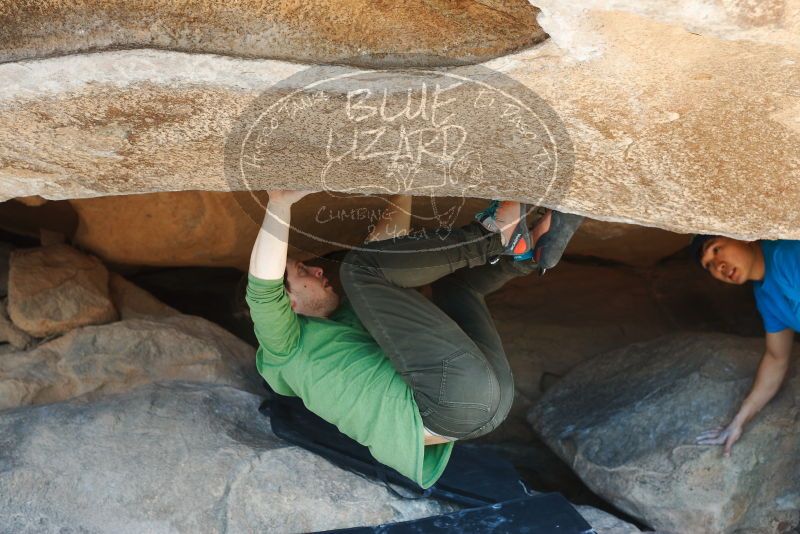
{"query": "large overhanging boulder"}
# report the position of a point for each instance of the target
(363, 32)
(685, 122)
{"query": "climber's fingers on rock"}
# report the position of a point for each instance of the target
(711, 432)
(715, 436)
(733, 437)
(711, 441)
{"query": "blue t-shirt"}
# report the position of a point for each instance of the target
(778, 294)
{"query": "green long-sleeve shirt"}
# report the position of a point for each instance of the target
(343, 376)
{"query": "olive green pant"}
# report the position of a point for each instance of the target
(447, 348)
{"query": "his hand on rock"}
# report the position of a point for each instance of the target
(726, 436)
(286, 196)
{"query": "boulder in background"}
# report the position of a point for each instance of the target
(176, 457)
(626, 422)
(122, 355)
(54, 289)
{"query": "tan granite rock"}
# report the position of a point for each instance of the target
(683, 118)
(54, 289)
(768, 21)
(315, 31)
(181, 228)
(122, 355)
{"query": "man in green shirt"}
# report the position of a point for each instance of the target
(401, 374)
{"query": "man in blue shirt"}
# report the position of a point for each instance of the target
(774, 269)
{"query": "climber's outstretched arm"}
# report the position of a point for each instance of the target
(771, 374)
(268, 259)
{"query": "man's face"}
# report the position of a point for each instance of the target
(729, 260)
(309, 290)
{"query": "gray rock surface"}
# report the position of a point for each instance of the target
(626, 422)
(125, 354)
(56, 288)
(605, 523)
(174, 457)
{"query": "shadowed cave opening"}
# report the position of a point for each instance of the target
(612, 289)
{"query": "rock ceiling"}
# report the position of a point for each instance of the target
(682, 115)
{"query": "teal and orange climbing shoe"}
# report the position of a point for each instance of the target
(486, 216)
(549, 245)
(518, 244)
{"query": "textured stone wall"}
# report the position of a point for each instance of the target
(685, 120)
(364, 32)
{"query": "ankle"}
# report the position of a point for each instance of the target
(507, 217)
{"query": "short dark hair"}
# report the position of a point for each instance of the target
(697, 247)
